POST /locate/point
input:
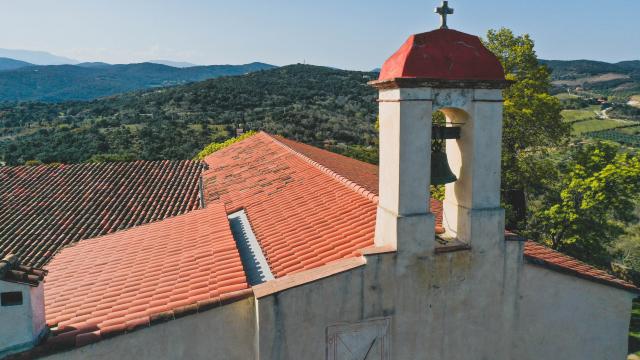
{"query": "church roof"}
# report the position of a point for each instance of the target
(43, 208)
(303, 214)
(443, 54)
(148, 274)
(306, 216)
(541, 255)
(12, 271)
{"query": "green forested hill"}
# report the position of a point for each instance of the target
(11, 64)
(87, 81)
(303, 102)
(622, 78)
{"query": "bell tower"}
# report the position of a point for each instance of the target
(453, 72)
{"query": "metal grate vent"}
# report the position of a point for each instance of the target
(253, 260)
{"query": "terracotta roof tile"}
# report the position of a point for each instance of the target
(305, 215)
(542, 255)
(308, 206)
(144, 275)
(357, 171)
(360, 173)
(43, 208)
(12, 271)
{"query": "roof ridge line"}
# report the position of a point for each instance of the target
(371, 196)
(126, 230)
(96, 164)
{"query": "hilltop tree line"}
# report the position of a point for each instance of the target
(302, 102)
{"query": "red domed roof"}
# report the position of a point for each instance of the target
(443, 54)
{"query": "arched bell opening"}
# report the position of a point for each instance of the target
(446, 160)
(441, 173)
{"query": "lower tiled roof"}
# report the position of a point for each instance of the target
(43, 208)
(120, 281)
(12, 271)
(541, 255)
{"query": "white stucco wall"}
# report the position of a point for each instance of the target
(564, 317)
(224, 333)
(445, 306)
(468, 304)
(462, 305)
(21, 325)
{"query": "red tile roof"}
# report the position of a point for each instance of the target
(542, 255)
(443, 54)
(125, 280)
(304, 215)
(309, 206)
(12, 271)
(43, 208)
(359, 172)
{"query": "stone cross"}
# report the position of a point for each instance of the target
(444, 10)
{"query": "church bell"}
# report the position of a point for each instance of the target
(440, 171)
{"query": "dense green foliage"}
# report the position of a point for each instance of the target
(577, 197)
(617, 136)
(627, 248)
(588, 201)
(307, 103)
(532, 120)
(623, 111)
(92, 80)
(573, 69)
(216, 146)
(576, 103)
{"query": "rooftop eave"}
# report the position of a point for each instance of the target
(551, 266)
(406, 82)
(63, 338)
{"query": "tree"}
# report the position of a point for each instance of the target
(592, 203)
(532, 120)
(627, 248)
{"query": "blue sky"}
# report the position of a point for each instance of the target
(350, 34)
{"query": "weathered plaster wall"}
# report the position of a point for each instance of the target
(563, 317)
(484, 304)
(227, 332)
(445, 306)
(21, 325)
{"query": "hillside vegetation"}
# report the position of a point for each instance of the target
(303, 102)
(89, 81)
(621, 79)
(11, 64)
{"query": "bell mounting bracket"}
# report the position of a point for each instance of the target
(445, 132)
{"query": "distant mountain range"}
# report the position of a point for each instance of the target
(36, 57)
(21, 81)
(40, 76)
(178, 64)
